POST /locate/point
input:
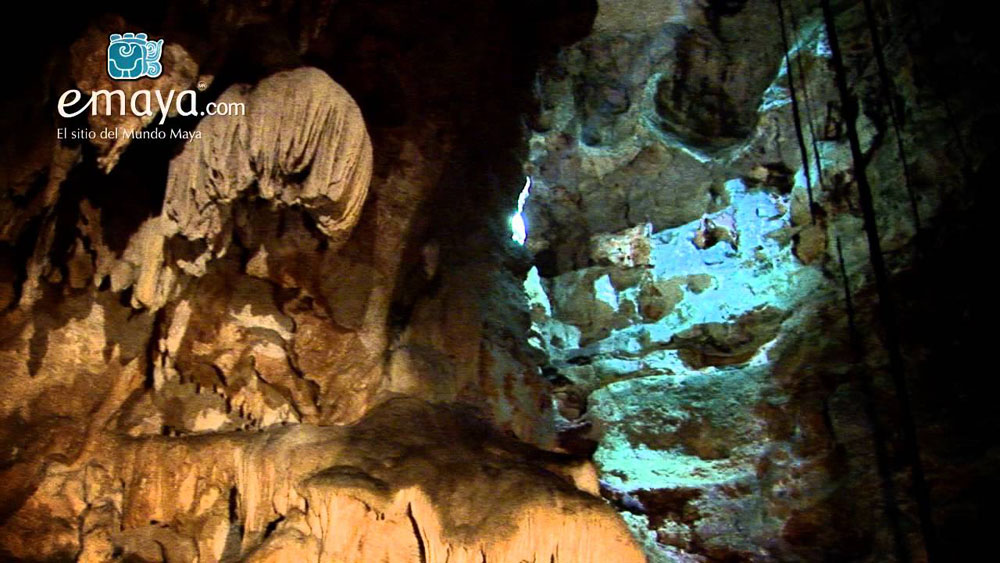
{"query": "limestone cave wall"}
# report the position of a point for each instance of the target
(703, 285)
(306, 333)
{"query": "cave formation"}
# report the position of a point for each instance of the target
(483, 281)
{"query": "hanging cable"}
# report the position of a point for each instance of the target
(895, 114)
(795, 110)
(812, 127)
(793, 19)
(885, 301)
(879, 433)
(878, 430)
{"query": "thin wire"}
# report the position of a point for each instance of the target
(809, 113)
(878, 430)
(895, 115)
(886, 305)
(795, 110)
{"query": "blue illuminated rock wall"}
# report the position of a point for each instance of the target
(689, 300)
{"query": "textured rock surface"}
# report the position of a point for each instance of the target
(412, 481)
(306, 334)
(688, 291)
(198, 335)
(302, 142)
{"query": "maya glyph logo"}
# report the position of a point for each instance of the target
(132, 56)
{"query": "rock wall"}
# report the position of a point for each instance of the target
(305, 334)
(199, 333)
(691, 264)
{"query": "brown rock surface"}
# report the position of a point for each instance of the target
(204, 339)
(409, 481)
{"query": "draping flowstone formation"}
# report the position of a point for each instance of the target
(302, 142)
(413, 481)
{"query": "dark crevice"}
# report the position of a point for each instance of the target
(273, 525)
(234, 540)
(421, 549)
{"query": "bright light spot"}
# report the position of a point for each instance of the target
(604, 291)
(536, 292)
(517, 226)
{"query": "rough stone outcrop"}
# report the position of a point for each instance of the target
(204, 338)
(411, 481)
(302, 143)
(690, 271)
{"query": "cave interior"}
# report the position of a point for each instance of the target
(498, 281)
